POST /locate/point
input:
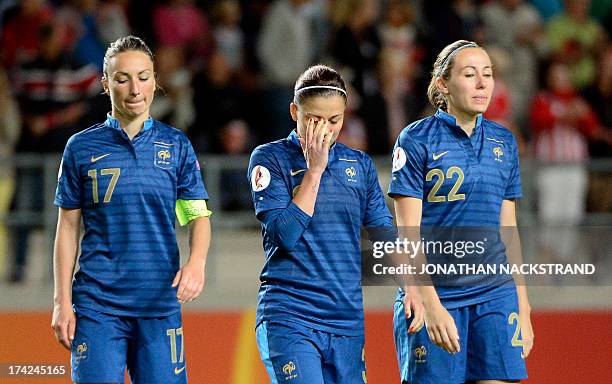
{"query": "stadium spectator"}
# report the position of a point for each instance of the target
(175, 77)
(398, 64)
(356, 48)
(562, 123)
(599, 96)
(55, 96)
(20, 32)
(181, 24)
(576, 39)
(218, 100)
(516, 27)
(285, 45)
(229, 37)
(235, 139)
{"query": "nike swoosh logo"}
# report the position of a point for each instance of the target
(439, 155)
(94, 159)
(178, 370)
(293, 173)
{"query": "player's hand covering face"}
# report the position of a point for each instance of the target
(130, 83)
(470, 85)
(319, 121)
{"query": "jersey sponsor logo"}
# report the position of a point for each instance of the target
(420, 353)
(439, 155)
(351, 173)
(399, 159)
(288, 370)
(260, 178)
(498, 152)
(178, 370)
(96, 158)
(349, 160)
(293, 173)
(164, 156)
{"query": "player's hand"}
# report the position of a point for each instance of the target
(441, 328)
(316, 143)
(63, 324)
(526, 332)
(414, 306)
(190, 281)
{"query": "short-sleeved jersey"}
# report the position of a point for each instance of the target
(318, 282)
(462, 181)
(127, 192)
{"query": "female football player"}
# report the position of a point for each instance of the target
(128, 178)
(456, 170)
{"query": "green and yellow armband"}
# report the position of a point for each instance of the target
(187, 210)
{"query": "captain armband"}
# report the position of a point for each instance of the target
(187, 210)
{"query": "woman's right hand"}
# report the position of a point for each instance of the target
(64, 324)
(316, 143)
(441, 328)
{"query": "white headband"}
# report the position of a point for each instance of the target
(454, 52)
(321, 86)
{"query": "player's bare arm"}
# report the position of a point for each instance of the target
(64, 260)
(191, 278)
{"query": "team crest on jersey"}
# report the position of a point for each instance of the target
(80, 353)
(289, 370)
(164, 156)
(420, 353)
(351, 173)
(260, 178)
(399, 159)
(498, 152)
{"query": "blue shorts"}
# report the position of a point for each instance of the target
(490, 346)
(105, 345)
(300, 355)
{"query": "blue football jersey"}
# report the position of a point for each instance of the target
(127, 192)
(462, 181)
(318, 282)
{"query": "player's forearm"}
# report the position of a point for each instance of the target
(306, 196)
(285, 226)
(515, 256)
(429, 296)
(64, 261)
(523, 299)
(199, 239)
(512, 241)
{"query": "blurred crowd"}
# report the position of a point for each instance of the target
(227, 67)
(227, 70)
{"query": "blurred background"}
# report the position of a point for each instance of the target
(227, 70)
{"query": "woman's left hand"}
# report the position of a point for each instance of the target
(526, 332)
(190, 281)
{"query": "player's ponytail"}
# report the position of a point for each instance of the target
(442, 69)
(318, 80)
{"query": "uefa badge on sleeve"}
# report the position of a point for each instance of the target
(164, 156)
(399, 159)
(260, 178)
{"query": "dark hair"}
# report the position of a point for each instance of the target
(318, 75)
(442, 68)
(123, 44)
